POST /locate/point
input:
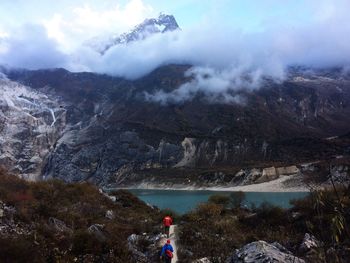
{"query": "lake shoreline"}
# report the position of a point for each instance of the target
(283, 184)
(184, 201)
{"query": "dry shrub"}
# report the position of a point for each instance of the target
(208, 210)
(77, 206)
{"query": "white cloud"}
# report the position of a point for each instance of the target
(215, 85)
(226, 58)
(3, 33)
(3, 45)
(85, 22)
(29, 47)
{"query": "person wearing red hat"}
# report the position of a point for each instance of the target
(167, 252)
(167, 222)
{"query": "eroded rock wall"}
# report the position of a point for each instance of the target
(30, 124)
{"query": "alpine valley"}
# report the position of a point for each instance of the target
(103, 129)
(76, 145)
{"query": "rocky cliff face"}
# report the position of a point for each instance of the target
(30, 124)
(105, 131)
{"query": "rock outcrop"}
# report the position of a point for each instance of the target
(309, 242)
(30, 124)
(339, 174)
(288, 170)
(202, 260)
(97, 231)
(268, 174)
(59, 225)
(262, 252)
(8, 226)
(152, 245)
(261, 175)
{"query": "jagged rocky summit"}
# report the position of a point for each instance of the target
(164, 23)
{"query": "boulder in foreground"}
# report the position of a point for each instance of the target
(262, 252)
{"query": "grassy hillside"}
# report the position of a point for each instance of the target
(57, 222)
(215, 229)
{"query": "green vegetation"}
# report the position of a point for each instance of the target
(219, 200)
(215, 229)
(57, 222)
(234, 201)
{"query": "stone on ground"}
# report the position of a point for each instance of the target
(263, 252)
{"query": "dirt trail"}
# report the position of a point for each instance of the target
(173, 239)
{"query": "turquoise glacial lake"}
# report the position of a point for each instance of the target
(182, 201)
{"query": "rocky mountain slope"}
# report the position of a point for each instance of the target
(108, 133)
(30, 124)
(164, 23)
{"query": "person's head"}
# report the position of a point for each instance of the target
(168, 241)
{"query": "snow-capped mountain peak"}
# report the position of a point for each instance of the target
(164, 23)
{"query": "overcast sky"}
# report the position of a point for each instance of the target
(224, 37)
(71, 22)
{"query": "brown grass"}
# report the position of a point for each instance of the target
(78, 206)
